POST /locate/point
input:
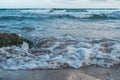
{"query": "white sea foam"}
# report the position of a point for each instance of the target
(102, 54)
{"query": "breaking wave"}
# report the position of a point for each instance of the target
(51, 53)
(60, 13)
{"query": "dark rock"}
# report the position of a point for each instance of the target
(10, 39)
(46, 42)
(38, 52)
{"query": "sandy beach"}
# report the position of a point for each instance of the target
(85, 73)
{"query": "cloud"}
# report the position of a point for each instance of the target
(65, 1)
(117, 0)
(99, 0)
(60, 3)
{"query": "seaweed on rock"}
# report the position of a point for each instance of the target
(10, 39)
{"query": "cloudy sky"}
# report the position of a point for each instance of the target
(59, 3)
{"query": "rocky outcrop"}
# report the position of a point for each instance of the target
(10, 39)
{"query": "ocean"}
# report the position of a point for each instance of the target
(62, 37)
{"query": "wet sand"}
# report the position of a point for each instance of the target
(85, 73)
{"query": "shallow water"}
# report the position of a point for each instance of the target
(62, 38)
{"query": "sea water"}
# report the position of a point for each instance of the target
(62, 38)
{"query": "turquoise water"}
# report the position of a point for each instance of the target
(57, 22)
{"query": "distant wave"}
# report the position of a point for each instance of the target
(59, 16)
(18, 17)
(69, 10)
(104, 16)
(13, 17)
(21, 14)
(76, 13)
(88, 16)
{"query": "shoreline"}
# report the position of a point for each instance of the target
(84, 73)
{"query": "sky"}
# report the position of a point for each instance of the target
(59, 3)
